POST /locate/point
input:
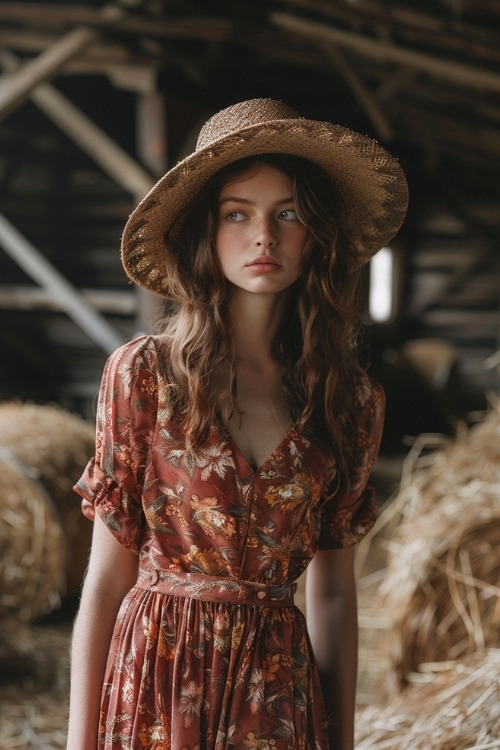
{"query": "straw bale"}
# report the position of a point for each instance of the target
(31, 546)
(33, 703)
(442, 578)
(54, 446)
(448, 706)
(34, 724)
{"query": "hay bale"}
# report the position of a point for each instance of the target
(54, 446)
(442, 580)
(455, 707)
(32, 561)
(33, 705)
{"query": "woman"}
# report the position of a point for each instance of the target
(233, 449)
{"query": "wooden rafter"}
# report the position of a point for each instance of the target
(465, 75)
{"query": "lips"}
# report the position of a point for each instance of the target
(264, 263)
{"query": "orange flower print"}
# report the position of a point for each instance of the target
(164, 649)
(148, 386)
(276, 557)
(170, 509)
(237, 635)
(123, 453)
(252, 742)
(315, 490)
(143, 735)
(156, 736)
(271, 665)
(153, 513)
(289, 496)
(207, 561)
(221, 631)
(150, 631)
(211, 520)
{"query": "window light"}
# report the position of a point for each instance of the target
(381, 290)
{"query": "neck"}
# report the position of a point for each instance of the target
(255, 322)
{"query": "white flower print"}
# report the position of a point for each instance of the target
(216, 458)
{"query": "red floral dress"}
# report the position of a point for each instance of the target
(209, 652)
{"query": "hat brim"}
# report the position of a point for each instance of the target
(366, 177)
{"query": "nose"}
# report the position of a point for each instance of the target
(265, 235)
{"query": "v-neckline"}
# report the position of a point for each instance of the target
(237, 450)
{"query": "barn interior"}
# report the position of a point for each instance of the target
(98, 100)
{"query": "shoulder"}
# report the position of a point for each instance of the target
(368, 393)
(140, 351)
(133, 363)
(369, 413)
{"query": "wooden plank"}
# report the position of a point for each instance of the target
(365, 99)
(40, 270)
(60, 16)
(17, 85)
(109, 301)
(90, 138)
(450, 70)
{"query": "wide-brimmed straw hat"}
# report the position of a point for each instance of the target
(369, 181)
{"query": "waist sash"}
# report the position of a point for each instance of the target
(216, 588)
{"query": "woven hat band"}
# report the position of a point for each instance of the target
(240, 116)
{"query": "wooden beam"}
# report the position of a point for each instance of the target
(30, 42)
(458, 73)
(367, 102)
(109, 301)
(43, 273)
(89, 137)
(16, 86)
(467, 140)
(53, 15)
(415, 26)
(391, 85)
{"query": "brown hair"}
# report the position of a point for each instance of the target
(316, 341)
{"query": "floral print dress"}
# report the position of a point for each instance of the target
(209, 651)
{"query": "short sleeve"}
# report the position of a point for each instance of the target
(126, 415)
(345, 520)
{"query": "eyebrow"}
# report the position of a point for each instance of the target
(245, 201)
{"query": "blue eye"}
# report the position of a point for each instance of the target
(288, 215)
(235, 216)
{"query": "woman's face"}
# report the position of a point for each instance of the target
(259, 239)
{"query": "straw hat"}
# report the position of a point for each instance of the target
(367, 178)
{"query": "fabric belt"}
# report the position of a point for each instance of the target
(215, 588)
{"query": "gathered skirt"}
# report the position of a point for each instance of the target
(201, 673)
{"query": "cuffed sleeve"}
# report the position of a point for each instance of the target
(126, 415)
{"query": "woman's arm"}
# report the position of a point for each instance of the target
(111, 574)
(331, 609)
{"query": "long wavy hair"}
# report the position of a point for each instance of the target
(316, 341)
